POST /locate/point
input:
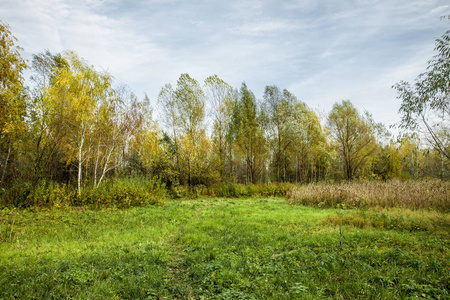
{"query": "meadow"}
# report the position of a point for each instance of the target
(222, 248)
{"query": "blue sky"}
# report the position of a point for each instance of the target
(321, 51)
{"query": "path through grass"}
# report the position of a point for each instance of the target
(218, 249)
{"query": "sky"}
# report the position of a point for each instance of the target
(322, 51)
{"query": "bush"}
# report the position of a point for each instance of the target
(51, 194)
(15, 195)
(120, 192)
(124, 192)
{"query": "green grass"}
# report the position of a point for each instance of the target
(258, 248)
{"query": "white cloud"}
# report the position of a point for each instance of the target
(260, 28)
(322, 51)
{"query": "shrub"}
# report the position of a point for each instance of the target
(51, 194)
(15, 195)
(120, 192)
(124, 192)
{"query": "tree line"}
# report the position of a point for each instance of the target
(75, 125)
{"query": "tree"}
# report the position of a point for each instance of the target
(308, 152)
(388, 163)
(12, 96)
(184, 113)
(411, 156)
(282, 127)
(193, 146)
(147, 151)
(426, 104)
(79, 91)
(353, 135)
(249, 135)
(220, 96)
(46, 136)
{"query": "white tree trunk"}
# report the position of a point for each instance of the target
(80, 161)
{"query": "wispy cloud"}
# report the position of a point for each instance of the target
(322, 51)
(262, 28)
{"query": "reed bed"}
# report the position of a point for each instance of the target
(428, 194)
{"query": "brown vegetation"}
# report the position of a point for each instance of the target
(427, 194)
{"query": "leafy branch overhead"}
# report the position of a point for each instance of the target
(426, 103)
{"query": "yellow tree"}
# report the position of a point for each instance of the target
(388, 163)
(79, 90)
(148, 154)
(12, 96)
(308, 150)
(110, 128)
(411, 156)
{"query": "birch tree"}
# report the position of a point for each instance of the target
(79, 90)
(220, 96)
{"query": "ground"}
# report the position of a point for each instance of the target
(256, 248)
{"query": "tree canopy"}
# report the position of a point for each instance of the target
(74, 125)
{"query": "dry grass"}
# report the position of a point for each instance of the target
(430, 194)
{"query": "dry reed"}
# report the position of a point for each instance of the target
(427, 194)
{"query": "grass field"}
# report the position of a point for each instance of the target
(257, 248)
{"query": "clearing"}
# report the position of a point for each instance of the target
(256, 248)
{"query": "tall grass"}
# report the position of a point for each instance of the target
(429, 194)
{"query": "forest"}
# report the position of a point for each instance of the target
(72, 130)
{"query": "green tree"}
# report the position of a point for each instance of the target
(354, 137)
(184, 113)
(249, 135)
(281, 128)
(46, 136)
(308, 151)
(220, 96)
(426, 104)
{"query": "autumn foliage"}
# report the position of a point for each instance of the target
(75, 137)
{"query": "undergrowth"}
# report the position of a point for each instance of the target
(232, 190)
(120, 192)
